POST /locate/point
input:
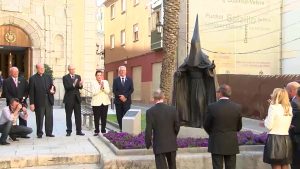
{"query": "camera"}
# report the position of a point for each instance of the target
(23, 103)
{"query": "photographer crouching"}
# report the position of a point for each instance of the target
(8, 121)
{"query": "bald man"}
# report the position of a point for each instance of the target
(16, 87)
(72, 83)
(223, 121)
(42, 100)
(293, 88)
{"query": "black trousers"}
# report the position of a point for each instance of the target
(22, 122)
(71, 106)
(166, 160)
(217, 161)
(5, 129)
(19, 131)
(296, 156)
(121, 109)
(40, 113)
(100, 112)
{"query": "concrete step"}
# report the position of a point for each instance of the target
(35, 152)
(79, 166)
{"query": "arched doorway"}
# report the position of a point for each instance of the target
(15, 50)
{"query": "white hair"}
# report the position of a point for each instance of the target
(122, 67)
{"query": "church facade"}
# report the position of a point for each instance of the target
(53, 32)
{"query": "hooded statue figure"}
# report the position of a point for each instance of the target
(194, 85)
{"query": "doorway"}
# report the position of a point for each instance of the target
(15, 50)
(14, 56)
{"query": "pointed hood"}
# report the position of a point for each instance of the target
(195, 50)
(196, 57)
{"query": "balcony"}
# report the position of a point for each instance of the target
(156, 40)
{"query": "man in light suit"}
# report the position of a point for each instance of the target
(122, 89)
(16, 87)
(162, 121)
(222, 123)
(72, 83)
(292, 89)
(41, 97)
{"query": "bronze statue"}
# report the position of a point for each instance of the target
(194, 85)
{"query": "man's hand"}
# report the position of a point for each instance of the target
(52, 90)
(25, 113)
(32, 107)
(81, 83)
(19, 107)
(122, 98)
(24, 109)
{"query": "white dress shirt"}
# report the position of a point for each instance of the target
(7, 115)
(276, 122)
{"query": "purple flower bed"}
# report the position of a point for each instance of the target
(127, 141)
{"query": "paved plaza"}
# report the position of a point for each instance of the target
(67, 152)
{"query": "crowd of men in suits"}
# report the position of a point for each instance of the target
(222, 122)
(40, 91)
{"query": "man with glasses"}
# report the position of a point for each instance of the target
(72, 83)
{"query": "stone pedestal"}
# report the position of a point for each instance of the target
(131, 122)
(192, 132)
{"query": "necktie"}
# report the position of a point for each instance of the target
(123, 81)
(16, 82)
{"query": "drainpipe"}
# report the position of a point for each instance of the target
(45, 33)
(66, 46)
(281, 41)
(187, 25)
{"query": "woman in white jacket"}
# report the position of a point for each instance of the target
(278, 147)
(100, 101)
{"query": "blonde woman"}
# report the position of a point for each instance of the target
(100, 101)
(278, 147)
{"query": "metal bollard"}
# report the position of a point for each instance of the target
(84, 120)
(91, 120)
(112, 103)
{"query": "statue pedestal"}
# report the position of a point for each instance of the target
(192, 132)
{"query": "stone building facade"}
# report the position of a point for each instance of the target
(54, 32)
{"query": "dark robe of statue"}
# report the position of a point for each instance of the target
(194, 85)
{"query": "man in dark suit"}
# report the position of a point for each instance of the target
(222, 123)
(162, 121)
(41, 91)
(122, 89)
(293, 89)
(72, 83)
(16, 87)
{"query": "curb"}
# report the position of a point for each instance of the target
(49, 160)
(115, 125)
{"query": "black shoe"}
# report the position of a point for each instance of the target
(39, 136)
(14, 139)
(4, 143)
(80, 134)
(103, 131)
(96, 134)
(68, 134)
(50, 135)
(25, 137)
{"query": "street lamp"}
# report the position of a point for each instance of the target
(159, 27)
(98, 52)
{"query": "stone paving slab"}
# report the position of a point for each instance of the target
(59, 150)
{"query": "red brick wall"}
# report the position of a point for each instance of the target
(145, 61)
